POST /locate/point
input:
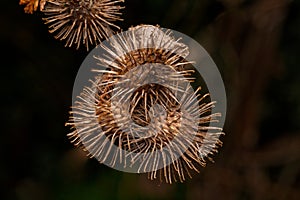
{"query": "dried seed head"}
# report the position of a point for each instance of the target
(32, 5)
(141, 111)
(82, 21)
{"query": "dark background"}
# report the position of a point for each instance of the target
(256, 47)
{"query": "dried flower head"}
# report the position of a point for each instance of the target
(32, 5)
(159, 124)
(82, 21)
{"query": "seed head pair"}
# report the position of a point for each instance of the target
(158, 125)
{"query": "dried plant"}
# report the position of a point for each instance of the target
(102, 119)
(32, 5)
(82, 21)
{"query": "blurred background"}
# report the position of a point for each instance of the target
(255, 44)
